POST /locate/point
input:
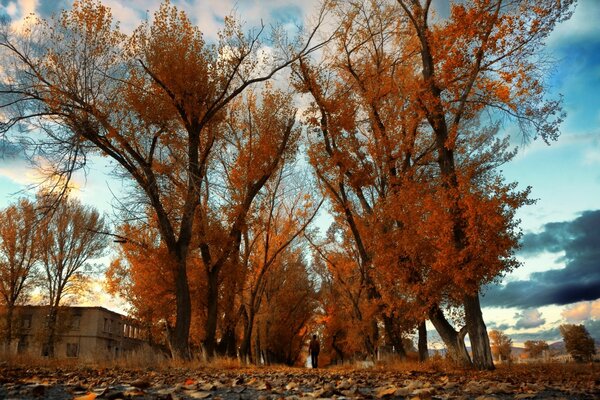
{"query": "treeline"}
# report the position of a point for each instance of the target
(46, 249)
(401, 134)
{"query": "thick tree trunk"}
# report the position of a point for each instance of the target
(179, 336)
(212, 298)
(453, 340)
(422, 345)
(480, 343)
(245, 350)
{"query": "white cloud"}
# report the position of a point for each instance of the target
(21, 172)
(583, 25)
(527, 319)
(96, 295)
(582, 311)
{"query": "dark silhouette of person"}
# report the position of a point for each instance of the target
(313, 348)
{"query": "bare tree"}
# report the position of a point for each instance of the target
(18, 256)
(68, 239)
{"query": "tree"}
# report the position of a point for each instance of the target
(282, 324)
(484, 56)
(535, 348)
(151, 102)
(18, 256)
(67, 240)
(580, 345)
(283, 213)
(501, 345)
(375, 156)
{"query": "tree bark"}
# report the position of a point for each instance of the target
(422, 345)
(51, 332)
(179, 344)
(480, 344)
(245, 350)
(212, 298)
(453, 340)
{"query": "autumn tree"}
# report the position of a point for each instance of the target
(535, 348)
(374, 155)
(501, 345)
(288, 310)
(282, 214)
(366, 137)
(151, 102)
(485, 55)
(67, 240)
(578, 342)
(18, 256)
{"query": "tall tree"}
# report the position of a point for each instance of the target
(68, 239)
(484, 55)
(18, 255)
(149, 101)
(578, 341)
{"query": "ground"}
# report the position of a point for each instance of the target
(553, 381)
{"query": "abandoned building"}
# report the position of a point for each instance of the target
(83, 333)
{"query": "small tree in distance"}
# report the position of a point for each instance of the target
(501, 345)
(580, 345)
(535, 348)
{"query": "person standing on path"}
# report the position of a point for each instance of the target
(314, 347)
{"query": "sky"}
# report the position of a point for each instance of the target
(559, 281)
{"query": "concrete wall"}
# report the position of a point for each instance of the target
(84, 333)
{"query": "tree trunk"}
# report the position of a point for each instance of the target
(212, 298)
(393, 339)
(336, 348)
(50, 333)
(245, 350)
(179, 344)
(480, 343)
(453, 340)
(422, 346)
(227, 345)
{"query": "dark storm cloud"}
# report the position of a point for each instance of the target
(500, 327)
(578, 281)
(549, 335)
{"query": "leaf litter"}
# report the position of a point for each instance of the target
(264, 383)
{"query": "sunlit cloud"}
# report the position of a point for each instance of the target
(527, 319)
(22, 172)
(582, 311)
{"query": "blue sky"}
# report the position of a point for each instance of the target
(561, 251)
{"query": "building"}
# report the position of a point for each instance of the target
(83, 333)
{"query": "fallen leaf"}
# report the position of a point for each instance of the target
(89, 396)
(197, 394)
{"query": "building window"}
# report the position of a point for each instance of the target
(106, 326)
(26, 321)
(23, 345)
(72, 349)
(76, 322)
